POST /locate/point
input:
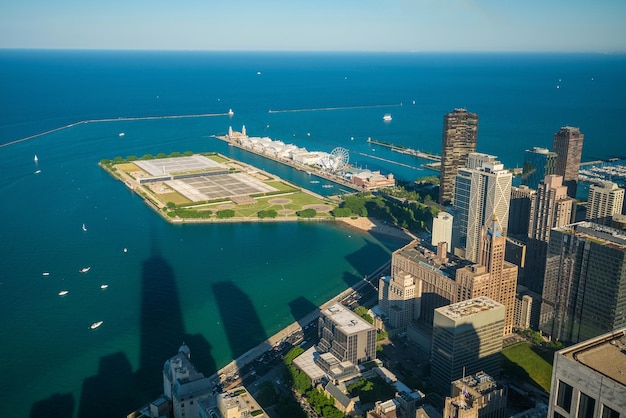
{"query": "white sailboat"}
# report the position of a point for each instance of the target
(36, 159)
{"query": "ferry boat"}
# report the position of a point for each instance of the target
(96, 324)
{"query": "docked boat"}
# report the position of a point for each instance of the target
(84, 269)
(96, 324)
(63, 292)
(104, 286)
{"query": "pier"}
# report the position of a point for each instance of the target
(404, 150)
(318, 109)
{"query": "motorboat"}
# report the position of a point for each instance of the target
(96, 324)
(84, 269)
(104, 286)
(36, 159)
(38, 171)
(45, 273)
(63, 292)
(84, 228)
(387, 117)
(121, 134)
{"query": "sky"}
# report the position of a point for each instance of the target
(317, 25)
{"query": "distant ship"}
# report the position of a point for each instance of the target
(38, 171)
(121, 134)
(45, 273)
(84, 228)
(96, 324)
(104, 286)
(63, 292)
(387, 117)
(36, 159)
(230, 112)
(84, 269)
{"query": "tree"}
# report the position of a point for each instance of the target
(362, 312)
(342, 212)
(307, 213)
(226, 213)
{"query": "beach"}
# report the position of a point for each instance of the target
(375, 226)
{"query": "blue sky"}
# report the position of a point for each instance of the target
(316, 25)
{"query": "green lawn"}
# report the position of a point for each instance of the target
(529, 363)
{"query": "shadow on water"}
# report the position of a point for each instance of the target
(302, 310)
(116, 390)
(240, 320)
(59, 406)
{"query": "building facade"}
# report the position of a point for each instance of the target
(399, 296)
(477, 395)
(484, 192)
(584, 291)
(605, 201)
(589, 379)
(346, 335)
(467, 339)
(460, 132)
(568, 145)
(552, 208)
(538, 163)
(520, 208)
(442, 229)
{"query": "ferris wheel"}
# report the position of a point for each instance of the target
(336, 160)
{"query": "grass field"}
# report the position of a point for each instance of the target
(529, 363)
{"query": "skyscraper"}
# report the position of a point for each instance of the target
(538, 163)
(467, 339)
(460, 130)
(568, 145)
(491, 276)
(442, 229)
(552, 208)
(605, 200)
(482, 192)
(584, 290)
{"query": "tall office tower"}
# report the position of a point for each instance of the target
(182, 383)
(605, 200)
(568, 145)
(433, 274)
(552, 208)
(492, 276)
(476, 396)
(584, 290)
(467, 339)
(521, 206)
(538, 163)
(442, 229)
(588, 378)
(482, 192)
(398, 297)
(478, 159)
(346, 335)
(460, 130)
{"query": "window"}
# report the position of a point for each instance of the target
(609, 413)
(564, 396)
(586, 405)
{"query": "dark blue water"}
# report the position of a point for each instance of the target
(222, 288)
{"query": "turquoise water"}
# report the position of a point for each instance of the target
(221, 288)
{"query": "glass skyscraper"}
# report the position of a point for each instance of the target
(538, 163)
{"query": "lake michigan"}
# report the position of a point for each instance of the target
(223, 288)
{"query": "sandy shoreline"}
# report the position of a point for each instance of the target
(376, 226)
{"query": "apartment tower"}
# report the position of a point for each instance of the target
(552, 208)
(460, 130)
(584, 290)
(568, 145)
(605, 201)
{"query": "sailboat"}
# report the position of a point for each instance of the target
(36, 159)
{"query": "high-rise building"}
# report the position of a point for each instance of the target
(346, 335)
(491, 276)
(552, 208)
(568, 145)
(182, 383)
(467, 339)
(398, 297)
(460, 131)
(483, 192)
(584, 290)
(538, 163)
(442, 229)
(476, 396)
(589, 378)
(605, 200)
(521, 206)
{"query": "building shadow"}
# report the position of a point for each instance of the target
(56, 406)
(369, 252)
(239, 317)
(116, 390)
(303, 310)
